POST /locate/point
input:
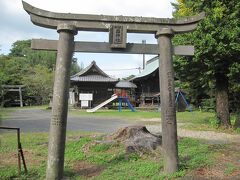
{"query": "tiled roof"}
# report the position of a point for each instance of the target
(125, 84)
(93, 65)
(93, 78)
(92, 73)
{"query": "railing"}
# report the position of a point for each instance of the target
(19, 148)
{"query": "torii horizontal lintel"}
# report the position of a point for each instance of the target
(89, 22)
(104, 47)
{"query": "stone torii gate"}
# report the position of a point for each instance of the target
(67, 25)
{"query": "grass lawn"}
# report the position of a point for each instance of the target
(197, 120)
(4, 112)
(204, 121)
(126, 114)
(195, 117)
(86, 159)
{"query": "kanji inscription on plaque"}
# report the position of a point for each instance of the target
(117, 36)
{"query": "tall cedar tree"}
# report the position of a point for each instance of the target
(217, 51)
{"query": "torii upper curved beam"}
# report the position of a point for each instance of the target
(87, 22)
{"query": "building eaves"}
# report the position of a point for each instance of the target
(92, 78)
(125, 84)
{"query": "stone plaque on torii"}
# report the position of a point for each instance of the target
(67, 25)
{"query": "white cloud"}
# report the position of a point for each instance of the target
(157, 8)
(12, 6)
(16, 25)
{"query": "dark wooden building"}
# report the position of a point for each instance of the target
(148, 84)
(91, 86)
(148, 90)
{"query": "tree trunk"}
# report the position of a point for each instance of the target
(222, 104)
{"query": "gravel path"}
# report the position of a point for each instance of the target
(37, 120)
(211, 136)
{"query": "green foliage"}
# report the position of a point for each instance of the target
(234, 73)
(34, 57)
(44, 58)
(237, 130)
(208, 104)
(33, 68)
(215, 66)
(75, 68)
(214, 122)
(12, 69)
(20, 48)
(39, 82)
(3, 77)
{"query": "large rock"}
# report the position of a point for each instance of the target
(136, 139)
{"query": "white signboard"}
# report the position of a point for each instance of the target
(84, 103)
(85, 97)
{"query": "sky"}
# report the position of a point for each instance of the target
(16, 25)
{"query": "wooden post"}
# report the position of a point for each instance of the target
(168, 112)
(2, 103)
(20, 96)
(19, 149)
(20, 153)
(57, 134)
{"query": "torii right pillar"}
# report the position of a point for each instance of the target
(168, 112)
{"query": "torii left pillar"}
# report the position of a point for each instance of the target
(58, 124)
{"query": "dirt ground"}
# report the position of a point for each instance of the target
(227, 165)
